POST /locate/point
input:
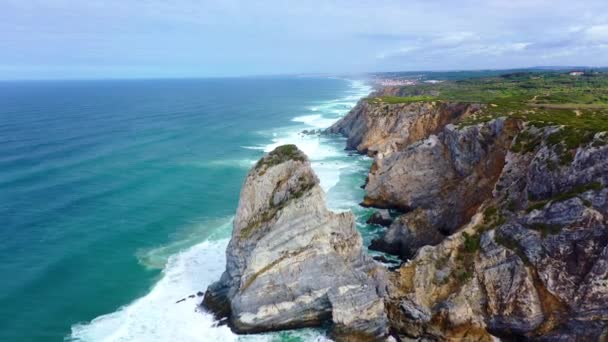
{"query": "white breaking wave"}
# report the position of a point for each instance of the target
(161, 315)
(157, 317)
(253, 147)
(157, 258)
(315, 120)
(235, 163)
(320, 155)
(325, 158)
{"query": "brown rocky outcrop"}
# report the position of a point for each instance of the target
(440, 180)
(372, 127)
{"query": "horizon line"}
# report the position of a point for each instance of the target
(307, 74)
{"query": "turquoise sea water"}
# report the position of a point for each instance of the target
(116, 196)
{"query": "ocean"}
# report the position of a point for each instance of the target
(116, 197)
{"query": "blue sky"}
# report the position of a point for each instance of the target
(194, 38)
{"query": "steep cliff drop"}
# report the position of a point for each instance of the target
(292, 263)
(424, 165)
(504, 225)
(374, 128)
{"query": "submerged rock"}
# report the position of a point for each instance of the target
(292, 263)
(380, 217)
(408, 233)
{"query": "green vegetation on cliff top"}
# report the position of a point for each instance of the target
(399, 99)
(549, 89)
(280, 155)
(579, 103)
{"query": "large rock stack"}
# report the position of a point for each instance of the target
(292, 263)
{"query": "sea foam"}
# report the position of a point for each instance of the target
(161, 315)
(157, 317)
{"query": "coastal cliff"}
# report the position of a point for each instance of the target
(377, 127)
(292, 263)
(503, 225)
(500, 208)
(439, 182)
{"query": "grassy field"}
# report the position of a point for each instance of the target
(399, 99)
(577, 103)
(524, 88)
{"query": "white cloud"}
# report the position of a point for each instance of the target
(232, 37)
(455, 38)
(398, 52)
(597, 33)
(463, 45)
(558, 54)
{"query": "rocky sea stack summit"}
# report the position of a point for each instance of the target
(292, 263)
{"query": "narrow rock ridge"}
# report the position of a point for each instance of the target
(292, 263)
(505, 227)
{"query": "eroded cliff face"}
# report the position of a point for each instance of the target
(292, 263)
(503, 233)
(425, 165)
(439, 182)
(383, 128)
(527, 268)
(504, 230)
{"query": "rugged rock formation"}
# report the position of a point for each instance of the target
(466, 288)
(519, 270)
(504, 233)
(408, 233)
(372, 128)
(292, 263)
(380, 217)
(427, 166)
(505, 227)
(440, 180)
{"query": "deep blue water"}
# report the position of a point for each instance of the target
(102, 182)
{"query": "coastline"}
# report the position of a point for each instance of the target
(194, 268)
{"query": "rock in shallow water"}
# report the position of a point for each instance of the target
(408, 233)
(380, 217)
(292, 263)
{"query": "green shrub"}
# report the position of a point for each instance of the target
(471, 242)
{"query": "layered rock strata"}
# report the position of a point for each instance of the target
(505, 229)
(382, 128)
(292, 263)
(531, 264)
(439, 182)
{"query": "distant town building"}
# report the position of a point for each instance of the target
(577, 73)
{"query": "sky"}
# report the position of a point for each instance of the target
(65, 39)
